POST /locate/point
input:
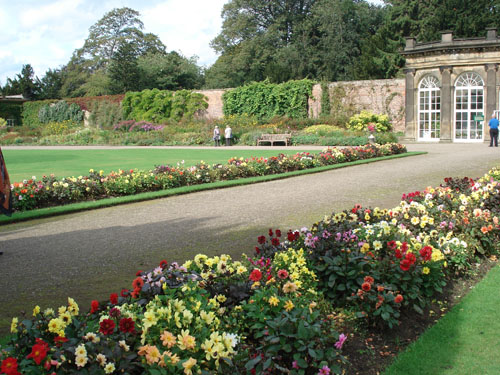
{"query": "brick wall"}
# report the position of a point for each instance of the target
(385, 96)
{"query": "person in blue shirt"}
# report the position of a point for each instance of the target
(493, 124)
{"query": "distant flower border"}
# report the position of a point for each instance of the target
(50, 191)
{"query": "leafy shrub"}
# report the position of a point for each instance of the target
(320, 130)
(30, 112)
(159, 106)
(3, 123)
(366, 119)
(265, 100)
(104, 114)
(310, 139)
(59, 112)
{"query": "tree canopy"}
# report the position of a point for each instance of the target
(278, 40)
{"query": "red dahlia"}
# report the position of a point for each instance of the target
(127, 325)
(138, 283)
(38, 353)
(9, 366)
(426, 253)
(369, 279)
(94, 306)
(107, 326)
(113, 298)
(255, 275)
(366, 286)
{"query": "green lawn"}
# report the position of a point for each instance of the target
(465, 341)
(23, 164)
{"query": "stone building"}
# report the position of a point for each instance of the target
(451, 88)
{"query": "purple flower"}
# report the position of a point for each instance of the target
(341, 341)
(295, 365)
(325, 370)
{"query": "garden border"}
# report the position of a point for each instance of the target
(109, 202)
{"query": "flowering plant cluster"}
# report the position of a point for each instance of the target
(273, 312)
(383, 261)
(186, 319)
(131, 126)
(50, 191)
(368, 121)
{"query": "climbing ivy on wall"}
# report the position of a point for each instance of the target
(265, 100)
(159, 106)
(11, 111)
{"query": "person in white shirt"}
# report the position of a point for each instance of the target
(228, 134)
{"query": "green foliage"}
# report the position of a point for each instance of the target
(365, 119)
(325, 99)
(170, 71)
(3, 123)
(105, 114)
(319, 39)
(159, 106)
(10, 110)
(60, 111)
(30, 112)
(320, 129)
(265, 100)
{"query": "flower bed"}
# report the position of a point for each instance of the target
(279, 311)
(51, 191)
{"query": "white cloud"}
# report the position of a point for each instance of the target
(187, 26)
(44, 33)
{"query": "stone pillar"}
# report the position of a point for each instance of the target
(447, 126)
(410, 123)
(491, 97)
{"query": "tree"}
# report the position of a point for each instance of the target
(24, 83)
(119, 29)
(424, 20)
(170, 71)
(281, 40)
(123, 70)
(51, 84)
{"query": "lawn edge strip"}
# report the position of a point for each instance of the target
(445, 324)
(109, 202)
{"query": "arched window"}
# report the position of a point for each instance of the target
(429, 109)
(469, 107)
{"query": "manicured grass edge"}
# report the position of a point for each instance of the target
(444, 332)
(108, 202)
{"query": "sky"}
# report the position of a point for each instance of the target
(44, 33)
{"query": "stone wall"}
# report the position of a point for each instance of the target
(380, 96)
(214, 110)
(385, 96)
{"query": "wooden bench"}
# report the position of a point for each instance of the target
(271, 138)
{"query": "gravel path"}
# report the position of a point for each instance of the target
(91, 254)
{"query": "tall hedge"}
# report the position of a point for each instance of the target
(159, 106)
(30, 112)
(265, 100)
